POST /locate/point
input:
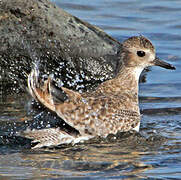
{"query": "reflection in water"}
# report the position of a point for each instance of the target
(154, 153)
(105, 159)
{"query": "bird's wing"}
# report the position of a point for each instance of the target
(96, 115)
(49, 95)
(48, 137)
(38, 91)
(91, 115)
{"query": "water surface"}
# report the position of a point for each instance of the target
(156, 151)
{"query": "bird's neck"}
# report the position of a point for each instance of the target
(125, 83)
(128, 78)
(123, 87)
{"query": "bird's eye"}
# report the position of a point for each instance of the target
(140, 53)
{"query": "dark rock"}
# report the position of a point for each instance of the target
(78, 54)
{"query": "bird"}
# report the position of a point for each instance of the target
(111, 108)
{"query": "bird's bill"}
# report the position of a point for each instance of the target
(158, 62)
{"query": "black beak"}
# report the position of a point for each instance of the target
(158, 62)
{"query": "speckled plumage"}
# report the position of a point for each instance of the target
(112, 107)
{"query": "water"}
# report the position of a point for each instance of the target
(156, 153)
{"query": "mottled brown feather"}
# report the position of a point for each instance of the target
(112, 107)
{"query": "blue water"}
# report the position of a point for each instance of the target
(160, 100)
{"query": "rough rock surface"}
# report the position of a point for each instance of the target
(79, 54)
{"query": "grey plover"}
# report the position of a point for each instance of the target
(112, 107)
